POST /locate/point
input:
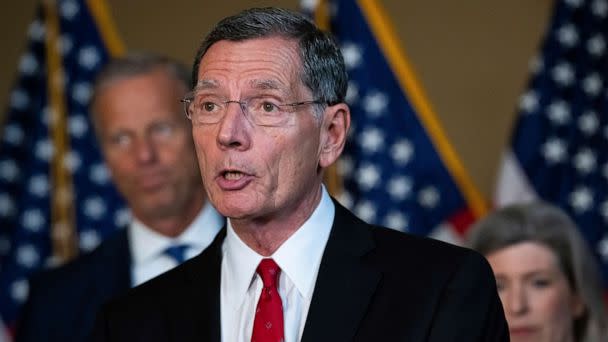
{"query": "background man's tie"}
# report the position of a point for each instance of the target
(177, 252)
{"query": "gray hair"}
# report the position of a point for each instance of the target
(323, 67)
(137, 64)
(548, 225)
(133, 65)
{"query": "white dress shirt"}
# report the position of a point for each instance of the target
(147, 246)
(299, 258)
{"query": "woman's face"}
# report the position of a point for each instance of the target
(538, 302)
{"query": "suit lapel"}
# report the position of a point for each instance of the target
(344, 284)
(195, 315)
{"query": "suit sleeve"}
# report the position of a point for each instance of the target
(470, 309)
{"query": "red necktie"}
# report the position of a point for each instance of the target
(268, 322)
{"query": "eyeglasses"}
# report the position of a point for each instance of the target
(263, 111)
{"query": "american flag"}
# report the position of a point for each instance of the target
(559, 147)
(398, 169)
(56, 197)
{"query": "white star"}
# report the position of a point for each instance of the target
(554, 150)
(19, 99)
(402, 152)
(346, 199)
(94, 207)
(122, 216)
(559, 112)
(529, 102)
(28, 64)
(7, 206)
(13, 134)
(592, 84)
(585, 161)
(9, 171)
(65, 44)
(567, 35)
(602, 248)
(581, 199)
(563, 74)
(574, 3)
(81, 92)
(352, 93)
(588, 123)
(599, 8)
(33, 220)
(89, 239)
(428, 197)
(368, 176)
(399, 187)
(375, 103)
(44, 150)
(372, 140)
(36, 31)
(69, 9)
(366, 211)
(99, 174)
(19, 290)
(88, 57)
(352, 55)
(309, 5)
(396, 220)
(27, 256)
(596, 45)
(72, 161)
(39, 185)
(77, 125)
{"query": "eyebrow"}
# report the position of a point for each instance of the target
(206, 84)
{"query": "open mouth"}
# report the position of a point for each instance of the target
(233, 175)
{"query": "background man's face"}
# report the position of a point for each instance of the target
(147, 143)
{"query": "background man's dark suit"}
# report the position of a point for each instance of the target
(77, 291)
(374, 284)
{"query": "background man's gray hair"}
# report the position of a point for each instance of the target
(136, 64)
(323, 70)
(548, 225)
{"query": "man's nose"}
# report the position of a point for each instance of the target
(234, 128)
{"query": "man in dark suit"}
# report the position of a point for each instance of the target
(148, 147)
(268, 117)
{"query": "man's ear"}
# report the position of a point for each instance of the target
(334, 130)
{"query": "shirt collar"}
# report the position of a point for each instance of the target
(147, 243)
(298, 257)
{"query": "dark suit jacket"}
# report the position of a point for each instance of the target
(374, 284)
(63, 302)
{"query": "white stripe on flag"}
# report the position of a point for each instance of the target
(512, 185)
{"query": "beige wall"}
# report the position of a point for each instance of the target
(471, 56)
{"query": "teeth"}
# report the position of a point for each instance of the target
(233, 175)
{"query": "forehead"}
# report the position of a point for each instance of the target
(269, 63)
(139, 97)
(523, 257)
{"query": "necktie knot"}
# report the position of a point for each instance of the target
(177, 252)
(269, 272)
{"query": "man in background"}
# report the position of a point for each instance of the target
(147, 145)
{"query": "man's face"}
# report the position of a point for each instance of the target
(256, 172)
(147, 144)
